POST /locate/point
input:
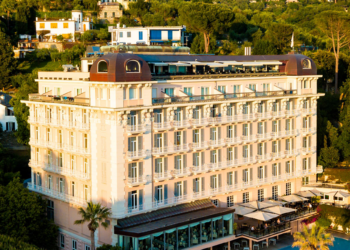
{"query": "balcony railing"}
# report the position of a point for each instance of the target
(248, 138)
(59, 122)
(181, 124)
(200, 122)
(212, 192)
(58, 195)
(200, 169)
(135, 181)
(308, 111)
(66, 171)
(216, 166)
(162, 176)
(261, 233)
(308, 150)
(161, 125)
(217, 143)
(199, 145)
(76, 149)
(140, 128)
(134, 155)
(170, 149)
(309, 130)
(60, 99)
(233, 140)
(182, 172)
(220, 97)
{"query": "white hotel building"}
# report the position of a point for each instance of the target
(158, 136)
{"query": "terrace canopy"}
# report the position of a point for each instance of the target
(316, 192)
(243, 210)
(258, 204)
(279, 210)
(293, 198)
(262, 216)
(279, 203)
(342, 194)
(306, 194)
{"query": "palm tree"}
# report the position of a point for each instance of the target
(94, 215)
(314, 239)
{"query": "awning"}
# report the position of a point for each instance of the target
(280, 203)
(257, 204)
(316, 192)
(230, 62)
(243, 210)
(262, 216)
(261, 63)
(180, 64)
(342, 194)
(194, 63)
(50, 34)
(216, 65)
(293, 198)
(279, 210)
(158, 63)
(307, 194)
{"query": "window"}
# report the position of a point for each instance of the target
(86, 193)
(261, 195)
(305, 180)
(306, 64)
(42, 25)
(121, 34)
(105, 14)
(230, 201)
(65, 25)
(159, 194)
(188, 91)
(74, 245)
(87, 247)
(132, 67)
(246, 197)
(50, 210)
(169, 91)
(326, 197)
(222, 89)
(132, 93)
(73, 188)
(215, 202)
(128, 34)
(275, 193)
(288, 188)
(102, 67)
(61, 185)
(53, 25)
(62, 241)
(113, 14)
(140, 35)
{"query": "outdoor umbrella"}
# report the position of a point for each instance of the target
(316, 192)
(243, 210)
(262, 216)
(293, 198)
(257, 204)
(279, 203)
(342, 194)
(279, 210)
(306, 194)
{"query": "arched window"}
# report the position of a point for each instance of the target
(102, 67)
(306, 64)
(132, 67)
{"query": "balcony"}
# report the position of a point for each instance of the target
(200, 169)
(199, 195)
(76, 149)
(231, 188)
(308, 150)
(292, 112)
(232, 163)
(181, 124)
(248, 160)
(46, 144)
(170, 149)
(306, 131)
(291, 153)
(216, 166)
(216, 191)
(136, 129)
(61, 99)
(265, 157)
(233, 140)
(135, 155)
(319, 169)
(220, 97)
(161, 126)
(182, 172)
(248, 138)
(199, 145)
(200, 122)
(217, 143)
(264, 136)
(275, 178)
(248, 184)
(136, 181)
(66, 171)
(162, 176)
(262, 181)
(309, 111)
(58, 195)
(285, 133)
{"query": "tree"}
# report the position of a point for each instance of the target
(206, 19)
(27, 86)
(280, 35)
(8, 63)
(94, 215)
(336, 26)
(103, 34)
(8, 6)
(31, 224)
(264, 47)
(198, 47)
(314, 239)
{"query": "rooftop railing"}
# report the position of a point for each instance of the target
(60, 99)
(220, 97)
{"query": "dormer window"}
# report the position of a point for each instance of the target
(132, 67)
(102, 67)
(306, 64)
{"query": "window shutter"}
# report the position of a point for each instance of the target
(279, 146)
(236, 177)
(250, 128)
(251, 174)
(227, 132)
(219, 155)
(273, 170)
(166, 193)
(219, 133)
(279, 169)
(184, 161)
(259, 173)
(165, 139)
(176, 165)
(156, 195)
(219, 176)
(194, 185)
(129, 170)
(140, 140)
(129, 200)
(140, 199)
(129, 144)
(251, 150)
(292, 144)
(236, 152)
(184, 137)
(175, 142)
(194, 159)
(265, 171)
(265, 127)
(185, 187)
(203, 158)
(211, 133)
(292, 121)
(279, 125)
(155, 142)
(175, 189)
(165, 115)
(193, 135)
(140, 169)
(165, 164)
(309, 163)
(203, 186)
(293, 166)
(202, 135)
(211, 181)
(243, 176)
(235, 127)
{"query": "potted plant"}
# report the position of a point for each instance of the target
(235, 226)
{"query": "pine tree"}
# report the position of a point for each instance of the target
(8, 63)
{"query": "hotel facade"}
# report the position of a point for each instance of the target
(178, 137)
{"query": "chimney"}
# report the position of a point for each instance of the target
(124, 26)
(118, 25)
(36, 19)
(247, 51)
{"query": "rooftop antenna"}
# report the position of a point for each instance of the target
(292, 42)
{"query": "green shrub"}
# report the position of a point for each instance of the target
(323, 222)
(8, 243)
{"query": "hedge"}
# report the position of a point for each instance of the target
(340, 216)
(341, 174)
(8, 243)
